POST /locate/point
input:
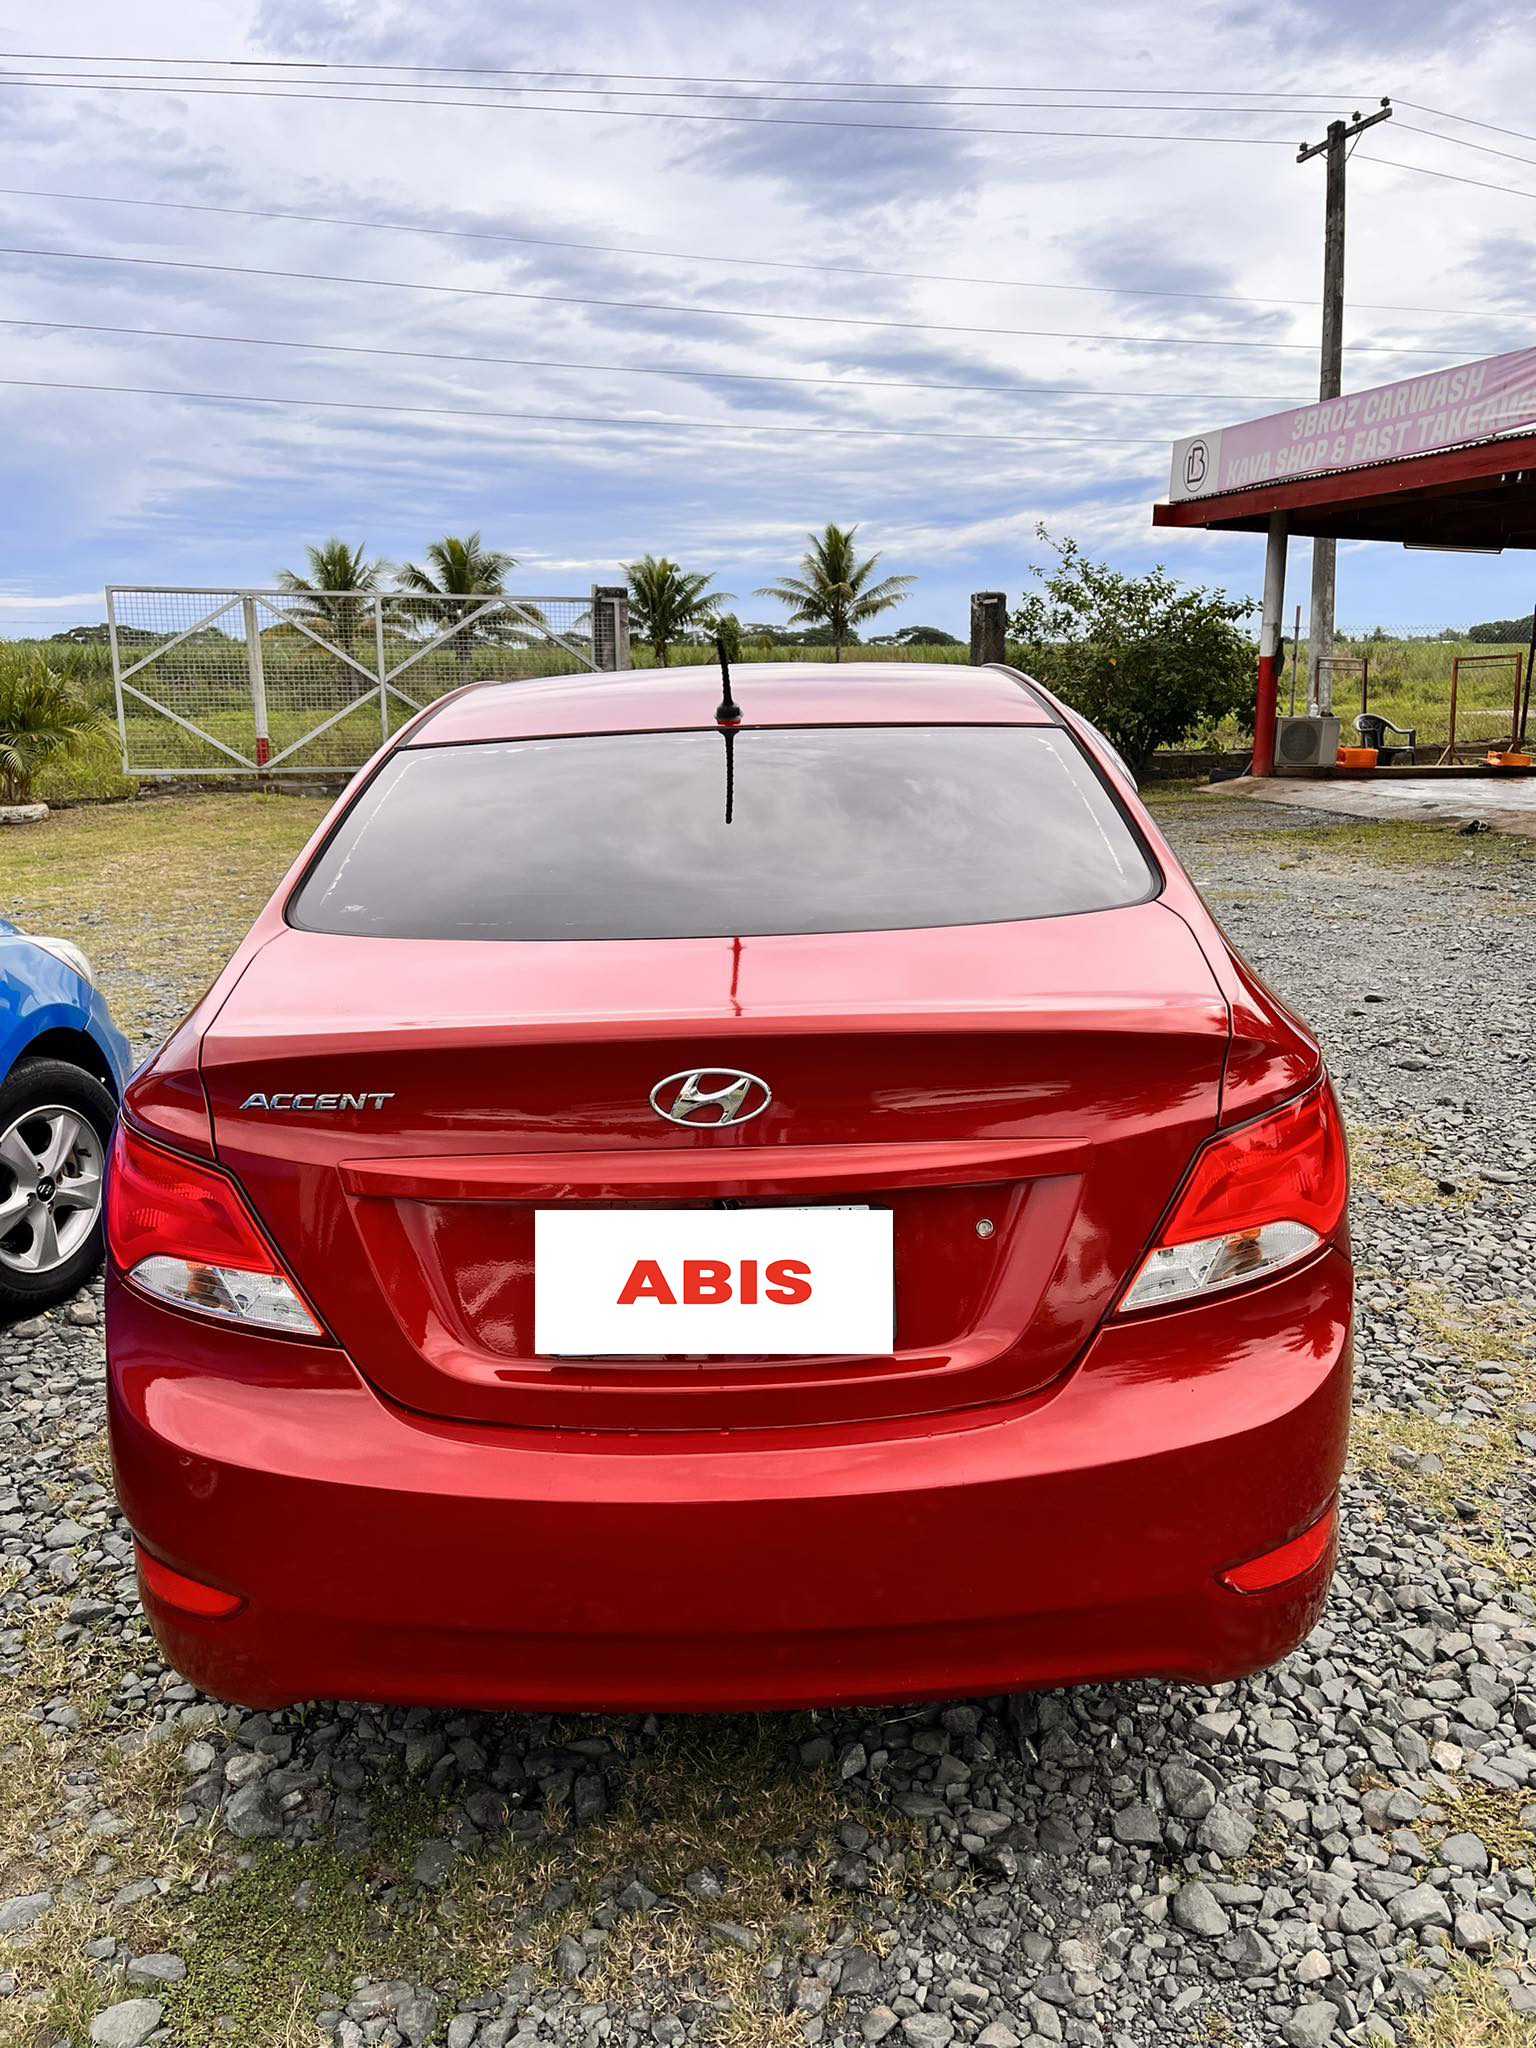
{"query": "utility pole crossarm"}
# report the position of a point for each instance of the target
(1356, 125)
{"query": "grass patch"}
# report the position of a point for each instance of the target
(157, 892)
(1447, 1461)
(1494, 1817)
(1401, 843)
(259, 1950)
(1472, 2013)
(1389, 1161)
(1264, 1854)
(89, 772)
(273, 1934)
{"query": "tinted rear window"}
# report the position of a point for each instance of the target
(624, 836)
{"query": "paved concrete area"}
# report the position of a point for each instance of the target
(1503, 804)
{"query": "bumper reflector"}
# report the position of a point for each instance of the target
(1291, 1561)
(175, 1589)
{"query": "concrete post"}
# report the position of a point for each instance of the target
(1267, 700)
(610, 625)
(258, 680)
(989, 627)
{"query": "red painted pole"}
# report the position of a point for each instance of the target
(1264, 715)
(1266, 698)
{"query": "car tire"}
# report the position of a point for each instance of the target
(51, 1235)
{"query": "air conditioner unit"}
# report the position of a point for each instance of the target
(1310, 742)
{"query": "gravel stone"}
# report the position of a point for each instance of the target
(1464, 1852)
(156, 1969)
(18, 1913)
(1194, 1907)
(1137, 1824)
(250, 1813)
(1189, 1793)
(1310, 2025)
(126, 2024)
(1421, 1906)
(927, 2030)
(571, 1959)
(1225, 1833)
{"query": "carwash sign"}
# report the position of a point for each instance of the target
(1475, 402)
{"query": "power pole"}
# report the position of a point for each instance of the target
(1334, 146)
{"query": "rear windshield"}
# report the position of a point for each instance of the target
(625, 836)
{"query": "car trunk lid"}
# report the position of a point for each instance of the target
(397, 1110)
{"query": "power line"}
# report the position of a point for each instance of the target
(652, 77)
(629, 92)
(1468, 121)
(393, 227)
(1465, 142)
(700, 312)
(427, 355)
(1450, 177)
(24, 82)
(476, 412)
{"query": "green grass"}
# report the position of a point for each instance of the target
(1473, 2012)
(1476, 1464)
(273, 1934)
(1410, 683)
(1397, 843)
(158, 892)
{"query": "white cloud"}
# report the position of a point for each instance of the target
(125, 488)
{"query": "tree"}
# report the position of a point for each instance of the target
(833, 589)
(335, 592)
(462, 567)
(925, 636)
(336, 601)
(1150, 661)
(1501, 632)
(665, 602)
(41, 716)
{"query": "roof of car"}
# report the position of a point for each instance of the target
(769, 693)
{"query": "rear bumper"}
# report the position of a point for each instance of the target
(1076, 1536)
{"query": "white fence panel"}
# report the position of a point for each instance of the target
(243, 682)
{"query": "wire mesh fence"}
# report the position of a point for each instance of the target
(244, 682)
(1408, 679)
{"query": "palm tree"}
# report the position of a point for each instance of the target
(339, 579)
(833, 588)
(461, 568)
(42, 715)
(665, 602)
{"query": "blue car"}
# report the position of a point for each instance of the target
(63, 1063)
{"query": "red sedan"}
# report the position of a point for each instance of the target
(667, 1213)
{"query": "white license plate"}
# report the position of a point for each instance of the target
(615, 1283)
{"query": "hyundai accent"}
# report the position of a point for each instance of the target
(671, 1209)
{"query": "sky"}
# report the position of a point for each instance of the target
(808, 289)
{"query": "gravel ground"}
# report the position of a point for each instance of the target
(1343, 1849)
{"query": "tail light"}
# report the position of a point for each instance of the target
(180, 1231)
(1257, 1199)
(1291, 1561)
(175, 1589)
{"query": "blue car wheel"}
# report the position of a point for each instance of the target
(55, 1126)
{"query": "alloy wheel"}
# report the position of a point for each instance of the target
(51, 1161)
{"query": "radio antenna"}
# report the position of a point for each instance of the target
(728, 722)
(728, 711)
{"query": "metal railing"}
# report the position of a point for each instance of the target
(243, 682)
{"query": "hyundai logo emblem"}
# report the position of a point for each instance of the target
(712, 1096)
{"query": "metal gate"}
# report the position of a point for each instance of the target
(243, 682)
